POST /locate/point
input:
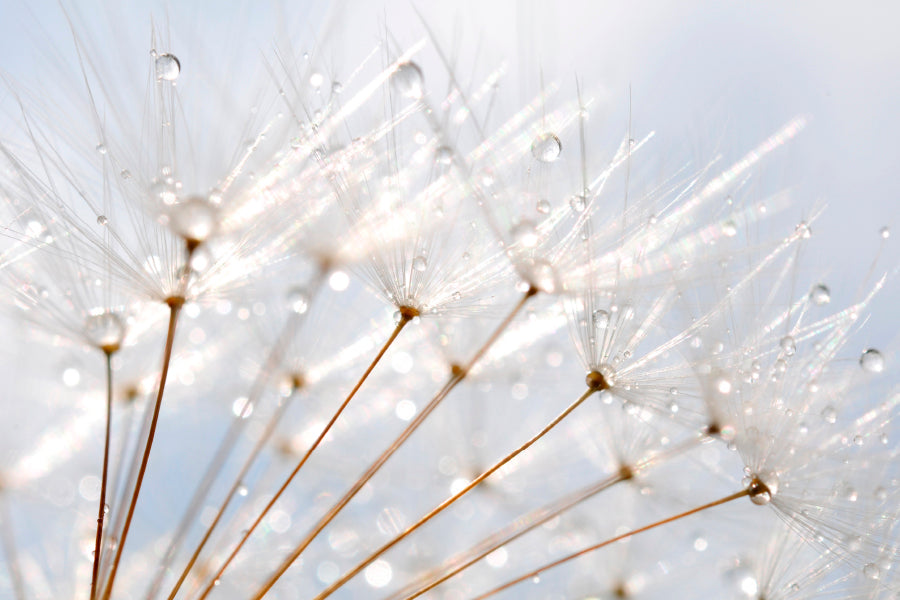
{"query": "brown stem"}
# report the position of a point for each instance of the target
(590, 549)
(101, 513)
(458, 374)
(175, 304)
(238, 482)
(534, 519)
(232, 435)
(9, 548)
(406, 315)
(449, 501)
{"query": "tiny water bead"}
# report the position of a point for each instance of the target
(543, 206)
(168, 67)
(871, 571)
(408, 80)
(419, 264)
(298, 300)
(546, 147)
(102, 220)
(105, 330)
(525, 234)
(788, 346)
(803, 230)
(443, 155)
(820, 295)
(578, 203)
(872, 361)
(885, 232)
(729, 228)
(600, 319)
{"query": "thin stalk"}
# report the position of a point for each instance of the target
(457, 375)
(530, 521)
(10, 549)
(248, 463)
(590, 549)
(232, 435)
(101, 513)
(175, 304)
(449, 501)
(406, 315)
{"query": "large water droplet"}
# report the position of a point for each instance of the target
(820, 295)
(872, 361)
(546, 147)
(871, 571)
(194, 219)
(408, 80)
(443, 155)
(729, 228)
(167, 67)
(105, 330)
(600, 319)
(419, 264)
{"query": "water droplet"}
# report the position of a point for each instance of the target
(298, 300)
(885, 232)
(543, 276)
(105, 330)
(600, 319)
(194, 219)
(788, 346)
(578, 203)
(102, 220)
(443, 155)
(457, 296)
(419, 264)
(872, 361)
(543, 206)
(316, 79)
(729, 228)
(820, 295)
(546, 147)
(101, 148)
(829, 414)
(242, 490)
(803, 230)
(407, 78)
(761, 492)
(871, 571)
(125, 174)
(167, 67)
(525, 234)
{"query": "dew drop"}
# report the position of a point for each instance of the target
(298, 300)
(543, 276)
(872, 361)
(194, 219)
(803, 230)
(167, 67)
(316, 79)
(788, 346)
(546, 147)
(543, 206)
(102, 220)
(600, 319)
(105, 330)
(759, 492)
(729, 228)
(101, 149)
(419, 264)
(885, 232)
(125, 174)
(829, 414)
(242, 490)
(871, 571)
(407, 78)
(578, 203)
(820, 295)
(443, 155)
(525, 234)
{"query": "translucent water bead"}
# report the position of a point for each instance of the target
(105, 330)
(546, 147)
(193, 219)
(408, 80)
(820, 295)
(872, 361)
(298, 300)
(167, 67)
